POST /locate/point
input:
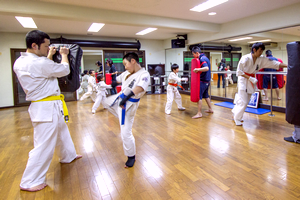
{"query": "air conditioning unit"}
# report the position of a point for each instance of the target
(268, 44)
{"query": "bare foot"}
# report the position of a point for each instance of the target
(278, 98)
(35, 188)
(209, 111)
(77, 157)
(265, 99)
(197, 116)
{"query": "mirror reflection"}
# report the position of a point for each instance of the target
(224, 56)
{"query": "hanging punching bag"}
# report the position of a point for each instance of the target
(195, 81)
(293, 84)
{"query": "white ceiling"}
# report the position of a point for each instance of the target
(124, 18)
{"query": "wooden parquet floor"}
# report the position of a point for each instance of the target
(177, 157)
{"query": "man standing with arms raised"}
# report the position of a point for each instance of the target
(38, 74)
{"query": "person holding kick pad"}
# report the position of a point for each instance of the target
(38, 74)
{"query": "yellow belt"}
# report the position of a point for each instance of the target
(60, 97)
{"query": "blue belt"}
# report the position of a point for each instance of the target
(124, 109)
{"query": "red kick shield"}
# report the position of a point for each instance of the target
(195, 81)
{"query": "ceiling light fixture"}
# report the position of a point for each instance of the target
(252, 42)
(207, 5)
(95, 27)
(238, 39)
(212, 13)
(146, 31)
(26, 22)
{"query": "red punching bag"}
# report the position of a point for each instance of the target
(108, 78)
(195, 81)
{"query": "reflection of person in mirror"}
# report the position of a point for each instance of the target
(221, 67)
(113, 72)
(266, 78)
(229, 78)
(248, 65)
(205, 77)
(172, 90)
(38, 74)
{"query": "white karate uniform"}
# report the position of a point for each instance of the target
(38, 78)
(140, 78)
(245, 87)
(84, 83)
(229, 78)
(101, 94)
(172, 92)
(91, 89)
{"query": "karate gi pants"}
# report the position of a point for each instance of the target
(241, 101)
(100, 98)
(172, 94)
(126, 130)
(48, 135)
(296, 133)
(90, 93)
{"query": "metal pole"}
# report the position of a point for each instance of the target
(224, 82)
(271, 82)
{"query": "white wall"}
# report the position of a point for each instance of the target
(154, 51)
(174, 56)
(8, 41)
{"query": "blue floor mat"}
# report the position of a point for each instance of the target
(258, 111)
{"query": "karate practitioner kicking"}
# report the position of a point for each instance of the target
(38, 74)
(172, 90)
(91, 87)
(135, 81)
(247, 67)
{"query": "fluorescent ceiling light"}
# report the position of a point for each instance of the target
(238, 39)
(212, 13)
(95, 27)
(147, 30)
(26, 22)
(268, 40)
(207, 5)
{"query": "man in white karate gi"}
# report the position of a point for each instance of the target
(248, 65)
(135, 81)
(38, 73)
(91, 87)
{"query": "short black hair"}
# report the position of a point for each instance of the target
(269, 53)
(99, 77)
(98, 63)
(258, 45)
(85, 71)
(174, 67)
(36, 36)
(223, 60)
(131, 55)
(109, 61)
(91, 71)
(196, 49)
